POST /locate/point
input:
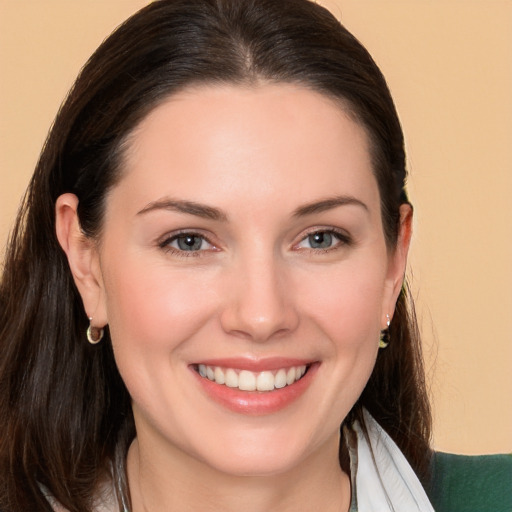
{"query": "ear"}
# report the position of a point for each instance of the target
(83, 258)
(397, 263)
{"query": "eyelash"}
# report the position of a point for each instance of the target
(340, 237)
(166, 244)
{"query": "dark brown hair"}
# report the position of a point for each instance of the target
(64, 410)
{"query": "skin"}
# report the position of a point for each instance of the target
(256, 288)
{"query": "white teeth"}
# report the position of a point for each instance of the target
(290, 376)
(231, 378)
(251, 381)
(219, 376)
(280, 379)
(265, 381)
(246, 381)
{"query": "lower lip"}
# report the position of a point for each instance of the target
(257, 403)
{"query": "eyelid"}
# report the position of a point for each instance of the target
(165, 241)
(342, 236)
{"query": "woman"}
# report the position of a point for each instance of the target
(210, 254)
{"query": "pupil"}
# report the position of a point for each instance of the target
(189, 243)
(320, 240)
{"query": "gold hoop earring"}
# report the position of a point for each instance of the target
(384, 335)
(94, 334)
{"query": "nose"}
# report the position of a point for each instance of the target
(260, 302)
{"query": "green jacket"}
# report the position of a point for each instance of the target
(481, 483)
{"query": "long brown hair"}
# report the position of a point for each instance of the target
(64, 410)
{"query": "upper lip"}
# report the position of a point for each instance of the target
(255, 365)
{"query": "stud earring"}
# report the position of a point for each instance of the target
(384, 335)
(94, 334)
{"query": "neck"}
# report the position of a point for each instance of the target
(167, 483)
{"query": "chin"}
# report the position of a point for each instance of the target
(260, 453)
(261, 464)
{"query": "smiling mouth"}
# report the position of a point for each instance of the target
(245, 380)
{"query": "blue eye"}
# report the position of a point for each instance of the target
(320, 240)
(186, 243)
(323, 240)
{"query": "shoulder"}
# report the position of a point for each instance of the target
(476, 483)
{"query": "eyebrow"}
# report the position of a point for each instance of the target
(212, 213)
(328, 204)
(188, 207)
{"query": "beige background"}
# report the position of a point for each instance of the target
(448, 64)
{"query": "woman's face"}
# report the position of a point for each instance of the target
(243, 246)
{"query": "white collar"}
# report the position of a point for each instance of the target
(382, 479)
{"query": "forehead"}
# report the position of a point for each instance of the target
(250, 141)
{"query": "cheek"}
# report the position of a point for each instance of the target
(153, 312)
(347, 303)
(152, 308)
(343, 307)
